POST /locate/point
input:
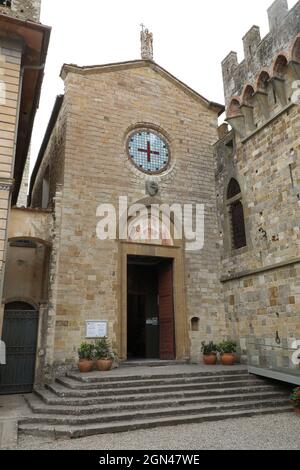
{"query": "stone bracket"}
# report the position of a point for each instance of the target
(249, 118)
(263, 102)
(238, 124)
(279, 87)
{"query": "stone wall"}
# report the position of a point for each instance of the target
(23, 194)
(23, 9)
(100, 110)
(262, 281)
(53, 161)
(256, 303)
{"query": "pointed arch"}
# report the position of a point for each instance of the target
(263, 80)
(280, 65)
(247, 94)
(234, 108)
(233, 188)
(296, 50)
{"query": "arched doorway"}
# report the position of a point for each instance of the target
(20, 332)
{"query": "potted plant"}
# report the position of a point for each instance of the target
(85, 353)
(227, 350)
(295, 399)
(209, 353)
(104, 355)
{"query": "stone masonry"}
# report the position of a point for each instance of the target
(101, 106)
(262, 152)
(250, 294)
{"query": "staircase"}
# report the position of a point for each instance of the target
(81, 405)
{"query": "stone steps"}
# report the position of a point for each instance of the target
(51, 399)
(37, 406)
(63, 391)
(105, 377)
(145, 382)
(116, 415)
(62, 431)
(79, 405)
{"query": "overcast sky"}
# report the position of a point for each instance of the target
(191, 38)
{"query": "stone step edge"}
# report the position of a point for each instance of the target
(38, 406)
(73, 432)
(50, 398)
(127, 378)
(60, 390)
(125, 415)
(74, 384)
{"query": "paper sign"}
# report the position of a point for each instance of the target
(96, 329)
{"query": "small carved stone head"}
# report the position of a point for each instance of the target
(152, 188)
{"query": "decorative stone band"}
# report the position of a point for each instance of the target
(6, 184)
(240, 275)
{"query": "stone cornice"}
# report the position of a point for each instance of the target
(247, 273)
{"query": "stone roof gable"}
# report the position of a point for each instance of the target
(95, 69)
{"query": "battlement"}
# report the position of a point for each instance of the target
(260, 53)
(23, 9)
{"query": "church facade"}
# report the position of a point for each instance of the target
(132, 131)
(106, 115)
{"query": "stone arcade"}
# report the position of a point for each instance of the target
(132, 129)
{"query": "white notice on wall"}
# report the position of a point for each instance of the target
(96, 329)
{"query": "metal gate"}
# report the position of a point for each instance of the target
(20, 331)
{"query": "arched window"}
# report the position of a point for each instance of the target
(236, 214)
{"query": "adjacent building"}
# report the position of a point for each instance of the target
(23, 48)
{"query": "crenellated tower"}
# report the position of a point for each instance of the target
(260, 54)
(258, 193)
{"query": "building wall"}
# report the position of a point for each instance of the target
(101, 108)
(27, 260)
(10, 63)
(260, 304)
(26, 276)
(52, 163)
(262, 281)
(23, 194)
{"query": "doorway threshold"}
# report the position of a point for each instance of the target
(151, 363)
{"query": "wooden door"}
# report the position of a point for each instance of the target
(166, 312)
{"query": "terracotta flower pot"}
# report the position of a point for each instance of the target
(210, 360)
(85, 365)
(227, 359)
(297, 411)
(104, 365)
